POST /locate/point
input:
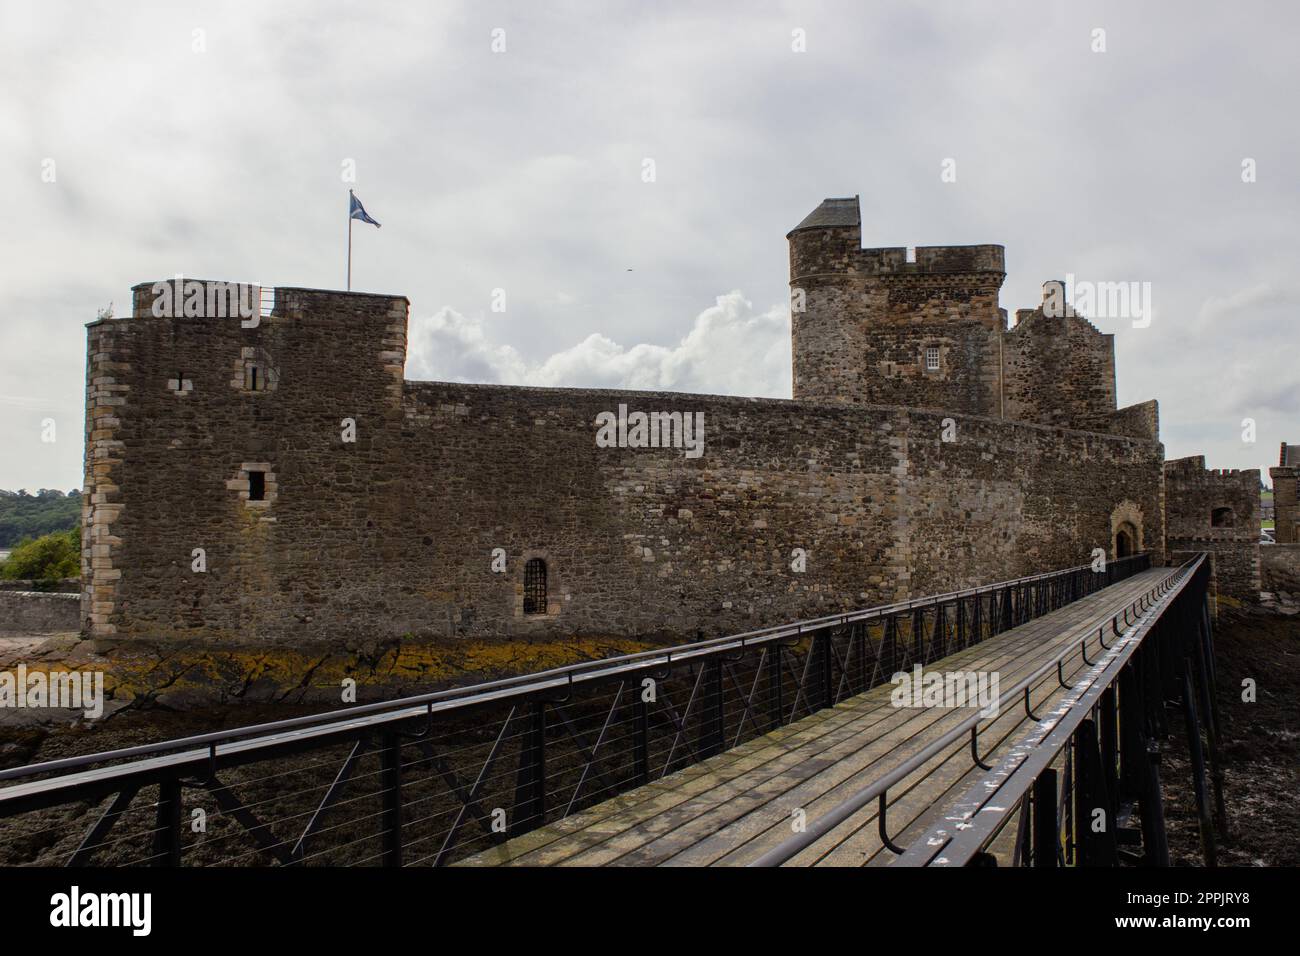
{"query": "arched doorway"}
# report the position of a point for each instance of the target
(1125, 540)
(1126, 530)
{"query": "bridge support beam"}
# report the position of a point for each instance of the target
(1047, 825)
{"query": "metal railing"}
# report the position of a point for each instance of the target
(878, 790)
(1083, 786)
(433, 778)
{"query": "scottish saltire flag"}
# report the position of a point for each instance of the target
(358, 211)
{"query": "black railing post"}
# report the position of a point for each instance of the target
(1047, 826)
(1155, 841)
(390, 777)
(1198, 767)
(641, 743)
(776, 685)
(1092, 808)
(712, 732)
(167, 823)
(1132, 764)
(1110, 748)
(860, 636)
(888, 654)
(530, 783)
(822, 644)
(1209, 713)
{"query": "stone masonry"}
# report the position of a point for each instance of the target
(276, 481)
(1286, 500)
(1216, 511)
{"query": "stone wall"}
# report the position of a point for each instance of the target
(864, 323)
(1137, 421)
(863, 319)
(63, 585)
(1280, 568)
(174, 428)
(1286, 500)
(395, 533)
(1059, 370)
(38, 612)
(1216, 511)
(276, 481)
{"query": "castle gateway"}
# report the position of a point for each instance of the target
(278, 481)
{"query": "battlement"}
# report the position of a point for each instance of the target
(1188, 464)
(186, 297)
(828, 242)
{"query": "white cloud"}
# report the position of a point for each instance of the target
(731, 349)
(522, 172)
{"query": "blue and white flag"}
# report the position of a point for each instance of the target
(358, 211)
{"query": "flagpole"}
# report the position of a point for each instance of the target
(349, 240)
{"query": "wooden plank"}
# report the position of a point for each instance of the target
(733, 807)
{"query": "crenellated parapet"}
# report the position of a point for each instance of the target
(885, 326)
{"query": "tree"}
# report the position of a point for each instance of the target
(47, 558)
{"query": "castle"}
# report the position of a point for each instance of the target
(271, 477)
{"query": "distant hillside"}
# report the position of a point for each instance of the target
(24, 515)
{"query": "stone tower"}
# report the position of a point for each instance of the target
(875, 326)
(217, 467)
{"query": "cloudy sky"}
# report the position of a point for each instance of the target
(138, 140)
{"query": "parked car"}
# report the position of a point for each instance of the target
(1266, 536)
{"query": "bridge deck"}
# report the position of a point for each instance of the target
(731, 808)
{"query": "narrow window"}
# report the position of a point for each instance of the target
(535, 586)
(932, 358)
(252, 378)
(257, 486)
(1221, 518)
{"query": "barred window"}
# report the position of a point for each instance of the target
(257, 486)
(535, 586)
(932, 358)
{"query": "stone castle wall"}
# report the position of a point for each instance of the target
(1059, 370)
(1216, 511)
(863, 320)
(173, 429)
(1286, 497)
(38, 612)
(390, 508)
(1280, 568)
(394, 534)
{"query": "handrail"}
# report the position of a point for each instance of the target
(1013, 776)
(519, 686)
(846, 808)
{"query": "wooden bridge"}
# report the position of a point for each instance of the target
(781, 746)
(733, 808)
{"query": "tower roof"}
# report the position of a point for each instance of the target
(832, 213)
